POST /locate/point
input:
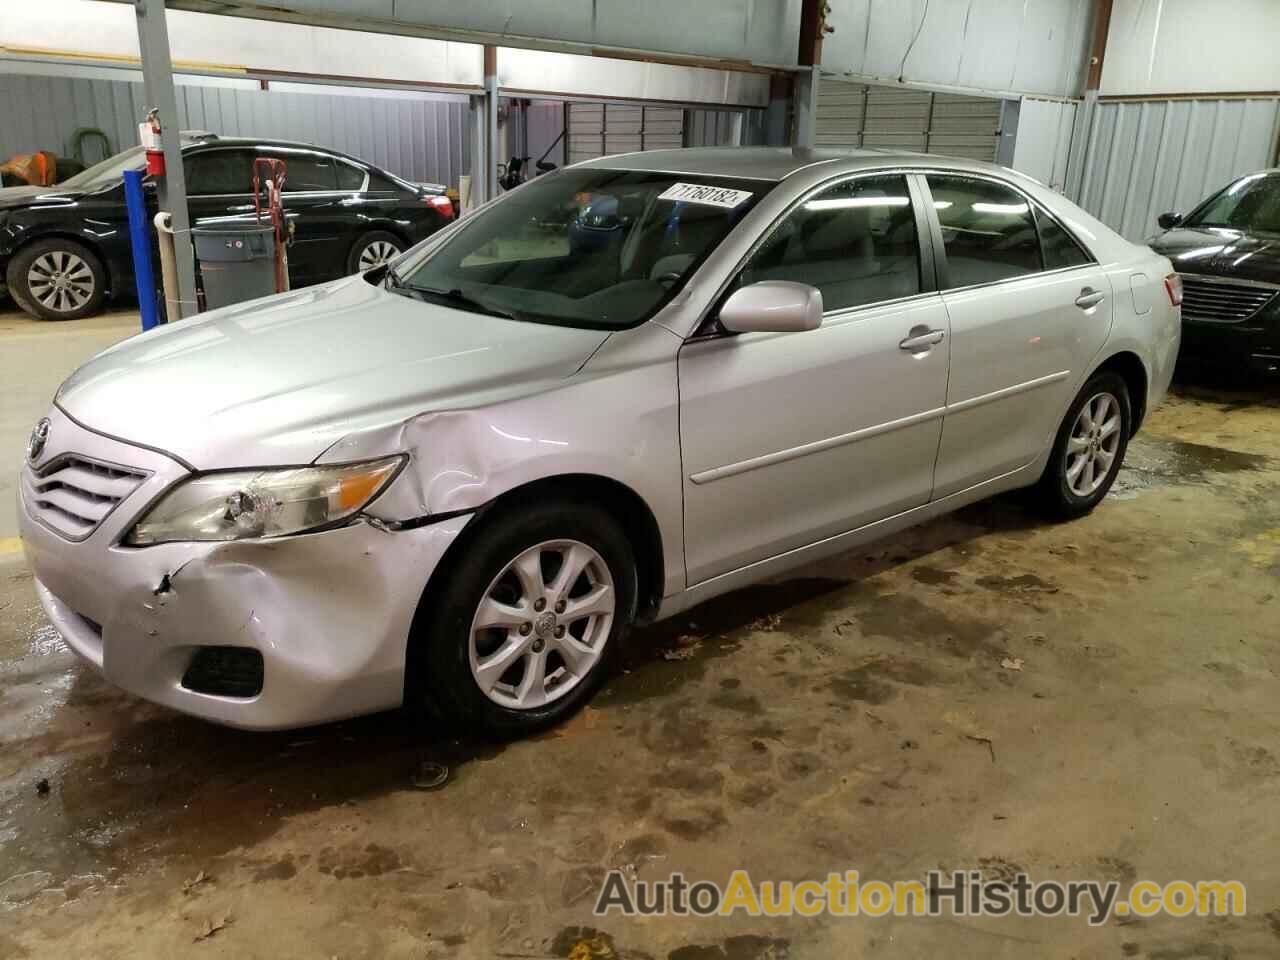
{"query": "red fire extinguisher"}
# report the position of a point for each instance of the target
(149, 134)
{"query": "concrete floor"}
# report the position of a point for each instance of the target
(823, 723)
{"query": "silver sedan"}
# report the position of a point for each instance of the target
(456, 480)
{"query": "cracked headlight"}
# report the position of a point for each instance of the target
(253, 504)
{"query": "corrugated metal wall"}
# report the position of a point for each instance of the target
(902, 118)
(420, 139)
(1146, 157)
(603, 129)
(714, 128)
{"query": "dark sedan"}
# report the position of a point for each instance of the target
(64, 249)
(1228, 252)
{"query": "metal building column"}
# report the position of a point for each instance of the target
(806, 108)
(171, 189)
(479, 115)
(491, 121)
(778, 111)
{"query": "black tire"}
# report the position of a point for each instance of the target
(80, 290)
(367, 240)
(1054, 493)
(440, 680)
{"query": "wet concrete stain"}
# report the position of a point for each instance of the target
(1158, 461)
(588, 943)
(745, 947)
(1022, 583)
(372, 861)
(933, 577)
(696, 824)
(690, 779)
(136, 784)
(282, 869)
(905, 617)
(874, 682)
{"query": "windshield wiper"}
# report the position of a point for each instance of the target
(456, 298)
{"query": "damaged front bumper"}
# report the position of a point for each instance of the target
(328, 612)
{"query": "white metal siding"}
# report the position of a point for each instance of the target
(1148, 157)
(1043, 144)
(902, 118)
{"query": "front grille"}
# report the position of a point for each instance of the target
(1213, 301)
(72, 495)
(225, 672)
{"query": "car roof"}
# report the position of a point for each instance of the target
(777, 163)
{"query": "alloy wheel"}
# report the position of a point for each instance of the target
(377, 253)
(542, 624)
(61, 281)
(1093, 444)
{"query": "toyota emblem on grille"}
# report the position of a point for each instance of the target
(39, 437)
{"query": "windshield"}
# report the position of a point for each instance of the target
(587, 248)
(107, 171)
(1249, 204)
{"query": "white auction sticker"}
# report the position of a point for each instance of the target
(711, 196)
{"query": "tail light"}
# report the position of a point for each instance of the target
(1173, 287)
(443, 205)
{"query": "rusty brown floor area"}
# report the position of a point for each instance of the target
(856, 716)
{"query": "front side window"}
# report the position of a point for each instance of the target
(1249, 204)
(856, 242)
(213, 172)
(595, 247)
(988, 230)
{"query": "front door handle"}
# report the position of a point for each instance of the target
(1089, 298)
(922, 338)
(242, 208)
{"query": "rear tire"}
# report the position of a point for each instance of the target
(509, 643)
(373, 249)
(1089, 449)
(57, 279)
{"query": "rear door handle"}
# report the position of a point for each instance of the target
(1089, 298)
(922, 340)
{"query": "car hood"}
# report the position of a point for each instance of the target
(279, 380)
(1218, 251)
(14, 197)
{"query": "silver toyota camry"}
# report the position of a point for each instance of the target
(621, 389)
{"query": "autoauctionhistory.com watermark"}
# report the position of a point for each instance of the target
(958, 893)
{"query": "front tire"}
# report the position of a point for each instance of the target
(528, 623)
(57, 279)
(373, 249)
(1089, 449)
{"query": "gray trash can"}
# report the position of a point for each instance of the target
(237, 262)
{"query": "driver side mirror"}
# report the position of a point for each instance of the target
(773, 306)
(1168, 221)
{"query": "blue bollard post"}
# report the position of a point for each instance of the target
(140, 242)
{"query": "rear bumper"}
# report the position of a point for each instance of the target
(330, 612)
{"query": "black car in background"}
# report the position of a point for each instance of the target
(1227, 251)
(64, 249)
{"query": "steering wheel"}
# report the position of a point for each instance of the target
(668, 278)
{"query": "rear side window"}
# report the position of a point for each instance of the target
(349, 177)
(988, 230)
(308, 172)
(1059, 247)
(382, 184)
(856, 242)
(214, 172)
